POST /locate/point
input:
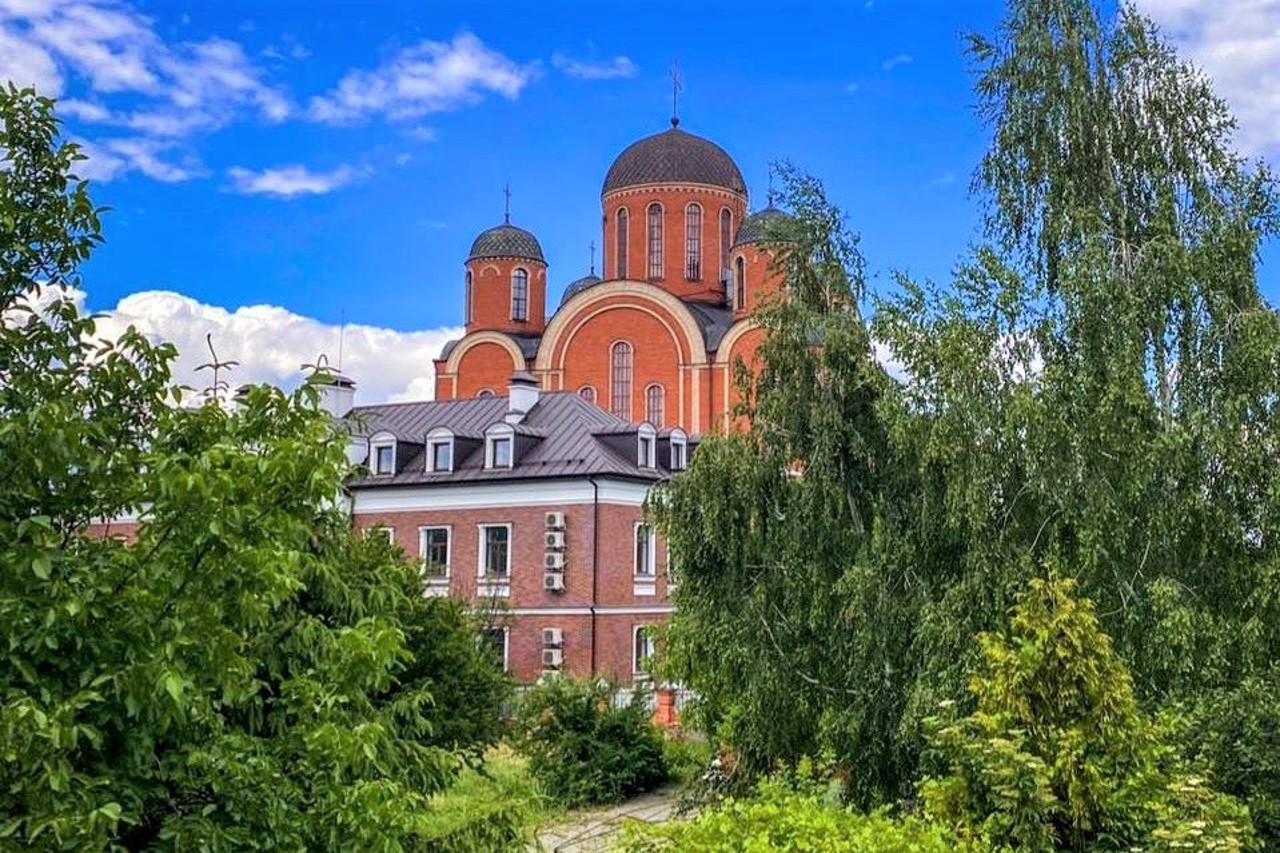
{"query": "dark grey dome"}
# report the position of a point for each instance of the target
(506, 241)
(576, 287)
(674, 156)
(755, 227)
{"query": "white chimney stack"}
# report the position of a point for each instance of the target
(337, 395)
(522, 395)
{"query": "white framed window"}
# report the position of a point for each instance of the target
(495, 551)
(740, 284)
(387, 534)
(621, 250)
(439, 450)
(642, 649)
(679, 450)
(520, 295)
(497, 641)
(655, 241)
(466, 310)
(620, 379)
(382, 455)
(693, 242)
(726, 237)
(647, 446)
(499, 446)
(654, 400)
(646, 550)
(435, 548)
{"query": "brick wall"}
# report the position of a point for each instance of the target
(491, 295)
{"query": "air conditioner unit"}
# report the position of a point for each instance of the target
(555, 539)
(553, 561)
(555, 521)
(552, 658)
(552, 637)
(553, 582)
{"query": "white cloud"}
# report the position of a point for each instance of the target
(113, 158)
(1237, 42)
(271, 344)
(894, 61)
(945, 179)
(585, 69)
(429, 77)
(136, 79)
(290, 181)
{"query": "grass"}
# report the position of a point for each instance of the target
(495, 808)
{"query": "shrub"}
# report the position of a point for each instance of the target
(780, 818)
(490, 809)
(584, 750)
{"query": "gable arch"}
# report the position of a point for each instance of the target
(475, 339)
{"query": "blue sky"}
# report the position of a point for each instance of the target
(325, 160)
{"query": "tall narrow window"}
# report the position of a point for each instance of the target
(655, 240)
(520, 295)
(623, 236)
(693, 242)
(646, 550)
(653, 400)
(726, 243)
(620, 370)
(740, 285)
(642, 650)
(467, 296)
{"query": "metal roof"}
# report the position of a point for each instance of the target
(757, 226)
(674, 156)
(506, 241)
(567, 436)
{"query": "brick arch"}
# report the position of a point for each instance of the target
(743, 339)
(483, 360)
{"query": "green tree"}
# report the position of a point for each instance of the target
(241, 675)
(1057, 754)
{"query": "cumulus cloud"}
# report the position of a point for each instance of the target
(585, 69)
(290, 181)
(429, 77)
(271, 343)
(1237, 42)
(113, 158)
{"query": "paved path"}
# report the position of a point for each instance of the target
(593, 832)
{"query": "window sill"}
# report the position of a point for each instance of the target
(494, 589)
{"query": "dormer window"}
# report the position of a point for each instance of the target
(646, 449)
(382, 455)
(499, 446)
(439, 451)
(679, 451)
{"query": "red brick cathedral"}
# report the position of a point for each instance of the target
(656, 337)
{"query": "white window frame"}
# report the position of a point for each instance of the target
(521, 316)
(647, 446)
(374, 448)
(448, 552)
(481, 555)
(436, 438)
(635, 648)
(650, 570)
(496, 433)
(679, 450)
(386, 531)
(506, 645)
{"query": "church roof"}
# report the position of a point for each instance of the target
(674, 156)
(506, 241)
(756, 226)
(571, 440)
(578, 285)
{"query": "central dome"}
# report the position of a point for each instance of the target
(674, 157)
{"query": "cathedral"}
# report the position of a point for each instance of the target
(655, 337)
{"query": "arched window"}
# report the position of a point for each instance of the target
(622, 243)
(693, 242)
(520, 294)
(588, 393)
(485, 392)
(726, 243)
(466, 309)
(655, 240)
(654, 396)
(620, 371)
(740, 285)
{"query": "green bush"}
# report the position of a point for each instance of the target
(780, 818)
(582, 749)
(490, 809)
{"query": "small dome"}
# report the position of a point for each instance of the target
(576, 287)
(506, 241)
(755, 227)
(676, 157)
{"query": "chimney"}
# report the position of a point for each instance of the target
(337, 394)
(522, 395)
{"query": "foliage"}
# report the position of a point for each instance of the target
(1058, 756)
(778, 817)
(235, 676)
(687, 756)
(583, 749)
(489, 809)
(1235, 734)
